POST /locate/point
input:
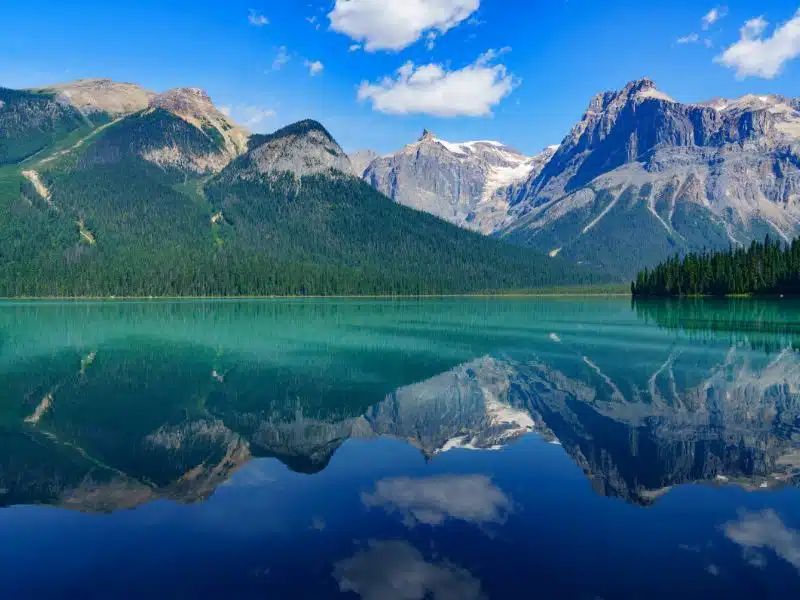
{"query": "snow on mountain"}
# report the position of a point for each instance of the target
(466, 183)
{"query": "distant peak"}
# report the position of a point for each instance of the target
(640, 85)
(176, 98)
(426, 135)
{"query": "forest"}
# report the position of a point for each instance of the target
(768, 268)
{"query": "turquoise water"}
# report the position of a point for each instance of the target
(445, 449)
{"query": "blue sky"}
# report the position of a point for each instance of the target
(521, 72)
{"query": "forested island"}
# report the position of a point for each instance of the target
(769, 268)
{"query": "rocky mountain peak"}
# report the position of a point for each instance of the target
(303, 148)
(639, 85)
(195, 106)
(102, 95)
(465, 183)
(183, 100)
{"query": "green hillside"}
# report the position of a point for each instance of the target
(113, 224)
(33, 121)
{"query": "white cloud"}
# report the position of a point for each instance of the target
(430, 40)
(688, 39)
(432, 500)
(314, 67)
(432, 89)
(714, 15)
(257, 19)
(354, 47)
(251, 116)
(313, 20)
(395, 570)
(281, 58)
(758, 56)
(765, 530)
(754, 28)
(396, 24)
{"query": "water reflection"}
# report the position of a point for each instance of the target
(448, 449)
(123, 415)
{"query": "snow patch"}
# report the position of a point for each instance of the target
(654, 93)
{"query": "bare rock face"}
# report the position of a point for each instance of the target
(642, 176)
(467, 184)
(303, 148)
(103, 95)
(361, 159)
(195, 106)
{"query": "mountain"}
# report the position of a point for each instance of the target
(30, 122)
(176, 199)
(302, 149)
(466, 184)
(643, 176)
(360, 160)
(640, 178)
(92, 96)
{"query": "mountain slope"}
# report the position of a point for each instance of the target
(350, 238)
(30, 122)
(175, 199)
(466, 184)
(642, 176)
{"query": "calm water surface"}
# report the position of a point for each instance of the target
(437, 449)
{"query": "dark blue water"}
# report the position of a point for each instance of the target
(400, 450)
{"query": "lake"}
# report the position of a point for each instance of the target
(399, 450)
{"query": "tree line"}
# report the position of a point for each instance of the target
(768, 268)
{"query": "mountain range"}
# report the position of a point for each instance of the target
(107, 189)
(639, 178)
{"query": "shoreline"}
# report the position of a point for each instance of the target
(317, 297)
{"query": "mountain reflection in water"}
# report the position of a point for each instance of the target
(113, 406)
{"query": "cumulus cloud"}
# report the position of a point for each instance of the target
(432, 89)
(432, 500)
(759, 56)
(395, 570)
(688, 39)
(257, 19)
(714, 15)
(354, 47)
(281, 58)
(396, 24)
(765, 530)
(314, 67)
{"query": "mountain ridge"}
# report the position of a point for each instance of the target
(174, 199)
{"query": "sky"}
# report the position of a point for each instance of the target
(377, 72)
